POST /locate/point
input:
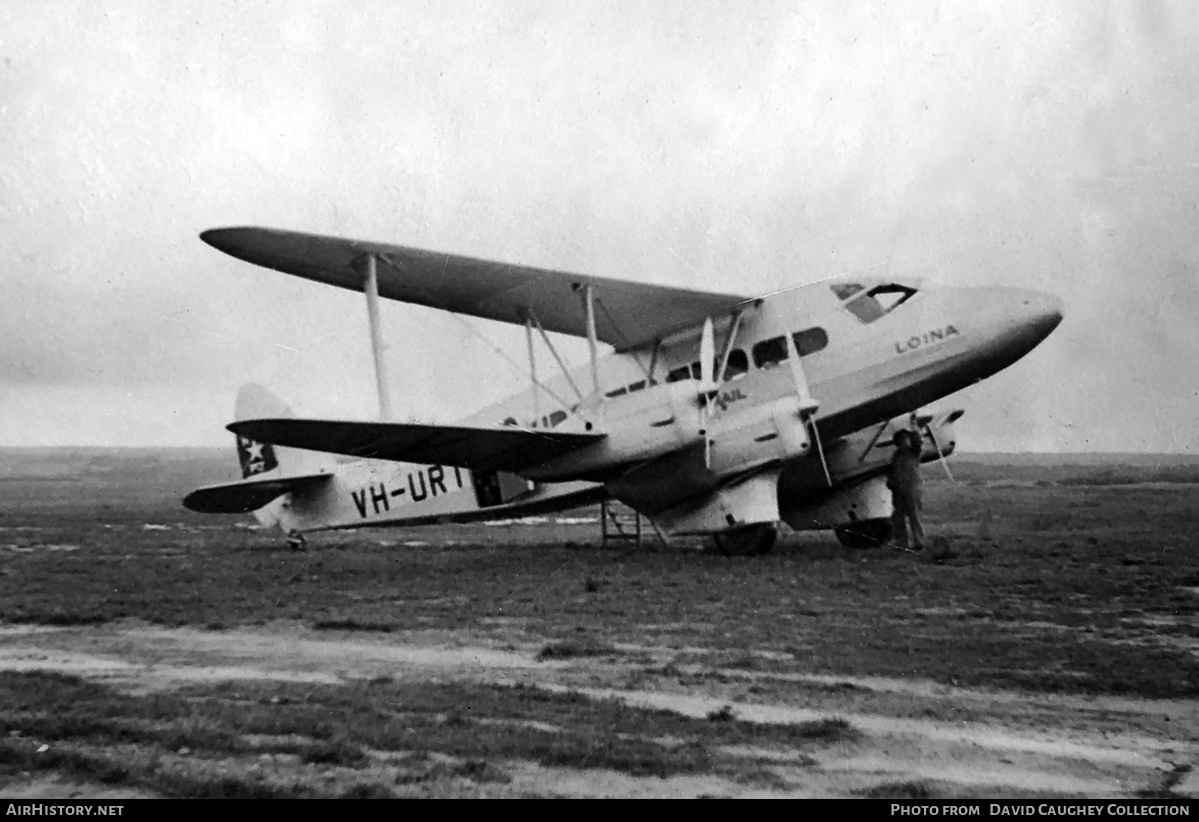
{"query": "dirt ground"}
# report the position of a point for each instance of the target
(1050, 649)
(1005, 743)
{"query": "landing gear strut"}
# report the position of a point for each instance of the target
(867, 533)
(751, 540)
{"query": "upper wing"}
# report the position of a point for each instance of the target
(627, 314)
(246, 495)
(481, 449)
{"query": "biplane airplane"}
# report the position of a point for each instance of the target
(711, 413)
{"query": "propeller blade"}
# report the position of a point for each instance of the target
(808, 405)
(814, 433)
(707, 355)
(940, 454)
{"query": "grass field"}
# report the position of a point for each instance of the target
(1048, 579)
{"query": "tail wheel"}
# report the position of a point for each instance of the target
(752, 540)
(868, 533)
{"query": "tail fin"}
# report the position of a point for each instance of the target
(255, 402)
(269, 472)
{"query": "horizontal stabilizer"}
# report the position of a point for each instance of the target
(480, 449)
(246, 496)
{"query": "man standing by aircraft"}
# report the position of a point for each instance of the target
(905, 485)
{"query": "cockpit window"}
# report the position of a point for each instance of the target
(846, 290)
(875, 303)
(891, 296)
(866, 309)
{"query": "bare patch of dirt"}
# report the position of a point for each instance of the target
(1004, 744)
(42, 786)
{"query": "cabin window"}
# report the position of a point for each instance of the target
(510, 421)
(737, 365)
(640, 384)
(876, 303)
(810, 340)
(683, 372)
(557, 418)
(770, 353)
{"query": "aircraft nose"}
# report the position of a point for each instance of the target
(1039, 313)
(1017, 320)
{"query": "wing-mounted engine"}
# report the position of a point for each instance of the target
(638, 427)
(858, 456)
(856, 504)
(758, 436)
(641, 427)
(733, 446)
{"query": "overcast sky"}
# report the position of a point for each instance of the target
(737, 146)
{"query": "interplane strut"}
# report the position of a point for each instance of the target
(370, 287)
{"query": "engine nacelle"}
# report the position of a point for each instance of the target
(639, 426)
(869, 500)
(774, 432)
(860, 514)
(752, 501)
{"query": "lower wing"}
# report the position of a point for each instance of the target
(480, 449)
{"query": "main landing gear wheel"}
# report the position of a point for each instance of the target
(296, 541)
(752, 540)
(869, 533)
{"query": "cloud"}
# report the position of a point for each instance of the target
(1043, 144)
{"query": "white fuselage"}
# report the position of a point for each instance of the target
(863, 367)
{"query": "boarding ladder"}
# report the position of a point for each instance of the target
(620, 523)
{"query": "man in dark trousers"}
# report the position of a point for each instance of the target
(904, 482)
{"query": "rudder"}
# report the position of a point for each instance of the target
(255, 458)
(254, 402)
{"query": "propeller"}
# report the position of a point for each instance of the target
(807, 403)
(707, 358)
(984, 525)
(707, 384)
(928, 429)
